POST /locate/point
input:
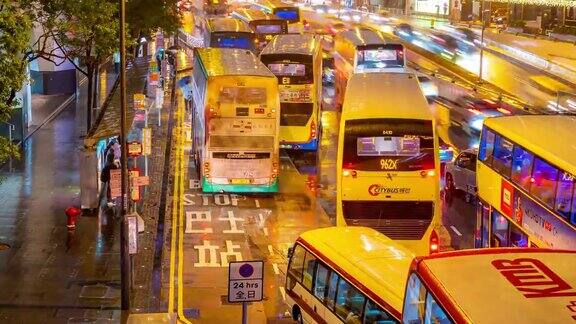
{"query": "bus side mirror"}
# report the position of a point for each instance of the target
(290, 252)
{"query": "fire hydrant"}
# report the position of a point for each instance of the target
(72, 214)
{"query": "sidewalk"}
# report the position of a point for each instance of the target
(49, 274)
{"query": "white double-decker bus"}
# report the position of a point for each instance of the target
(363, 51)
(388, 161)
(235, 121)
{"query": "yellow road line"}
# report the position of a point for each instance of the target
(175, 199)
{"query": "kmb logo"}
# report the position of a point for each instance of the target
(533, 278)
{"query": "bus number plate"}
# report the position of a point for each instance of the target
(240, 181)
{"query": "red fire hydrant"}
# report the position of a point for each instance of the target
(72, 214)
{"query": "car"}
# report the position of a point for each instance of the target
(403, 30)
(472, 111)
(428, 87)
(321, 9)
(461, 174)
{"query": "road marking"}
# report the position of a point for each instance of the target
(455, 230)
(270, 249)
(265, 231)
(260, 220)
(174, 225)
(275, 267)
(257, 203)
(283, 293)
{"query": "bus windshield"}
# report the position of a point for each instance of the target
(379, 57)
(367, 142)
(232, 40)
(291, 14)
(242, 95)
(268, 28)
(295, 114)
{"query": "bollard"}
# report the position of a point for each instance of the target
(72, 214)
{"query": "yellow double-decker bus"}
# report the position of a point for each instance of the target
(265, 26)
(296, 60)
(346, 275)
(288, 12)
(235, 121)
(525, 177)
(387, 165)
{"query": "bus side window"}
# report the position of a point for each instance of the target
(309, 265)
(332, 286)
(414, 301)
(373, 314)
(434, 313)
(486, 146)
(296, 266)
(321, 281)
(349, 303)
(502, 156)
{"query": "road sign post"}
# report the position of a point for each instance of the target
(245, 283)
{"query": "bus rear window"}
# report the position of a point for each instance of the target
(404, 144)
(379, 58)
(241, 95)
(232, 40)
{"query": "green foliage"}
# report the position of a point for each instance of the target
(518, 24)
(145, 16)
(566, 30)
(15, 31)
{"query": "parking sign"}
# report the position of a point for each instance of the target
(245, 281)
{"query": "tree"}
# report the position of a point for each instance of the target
(145, 16)
(15, 33)
(86, 33)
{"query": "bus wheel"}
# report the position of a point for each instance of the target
(449, 183)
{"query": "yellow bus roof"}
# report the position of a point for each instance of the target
(272, 4)
(362, 36)
(253, 14)
(366, 255)
(548, 136)
(230, 61)
(489, 285)
(389, 95)
(227, 25)
(303, 44)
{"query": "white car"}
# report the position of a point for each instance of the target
(460, 174)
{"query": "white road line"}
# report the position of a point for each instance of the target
(455, 230)
(270, 249)
(275, 267)
(283, 293)
(265, 231)
(257, 203)
(261, 220)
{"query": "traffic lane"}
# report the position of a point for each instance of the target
(220, 228)
(459, 219)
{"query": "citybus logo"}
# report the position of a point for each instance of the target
(376, 189)
(533, 278)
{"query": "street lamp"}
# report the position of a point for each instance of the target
(485, 23)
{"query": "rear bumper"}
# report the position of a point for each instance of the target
(219, 188)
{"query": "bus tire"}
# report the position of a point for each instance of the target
(449, 184)
(297, 315)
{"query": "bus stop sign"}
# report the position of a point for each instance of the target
(245, 281)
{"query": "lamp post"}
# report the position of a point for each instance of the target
(485, 21)
(124, 256)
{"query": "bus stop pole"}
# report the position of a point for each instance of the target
(244, 313)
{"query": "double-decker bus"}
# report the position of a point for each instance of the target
(296, 59)
(264, 25)
(346, 275)
(229, 33)
(363, 51)
(504, 285)
(525, 174)
(288, 12)
(388, 163)
(235, 121)
(215, 7)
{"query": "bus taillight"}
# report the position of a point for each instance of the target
(434, 242)
(313, 130)
(349, 173)
(206, 169)
(274, 170)
(427, 173)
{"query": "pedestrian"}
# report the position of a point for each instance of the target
(445, 8)
(116, 59)
(111, 164)
(159, 58)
